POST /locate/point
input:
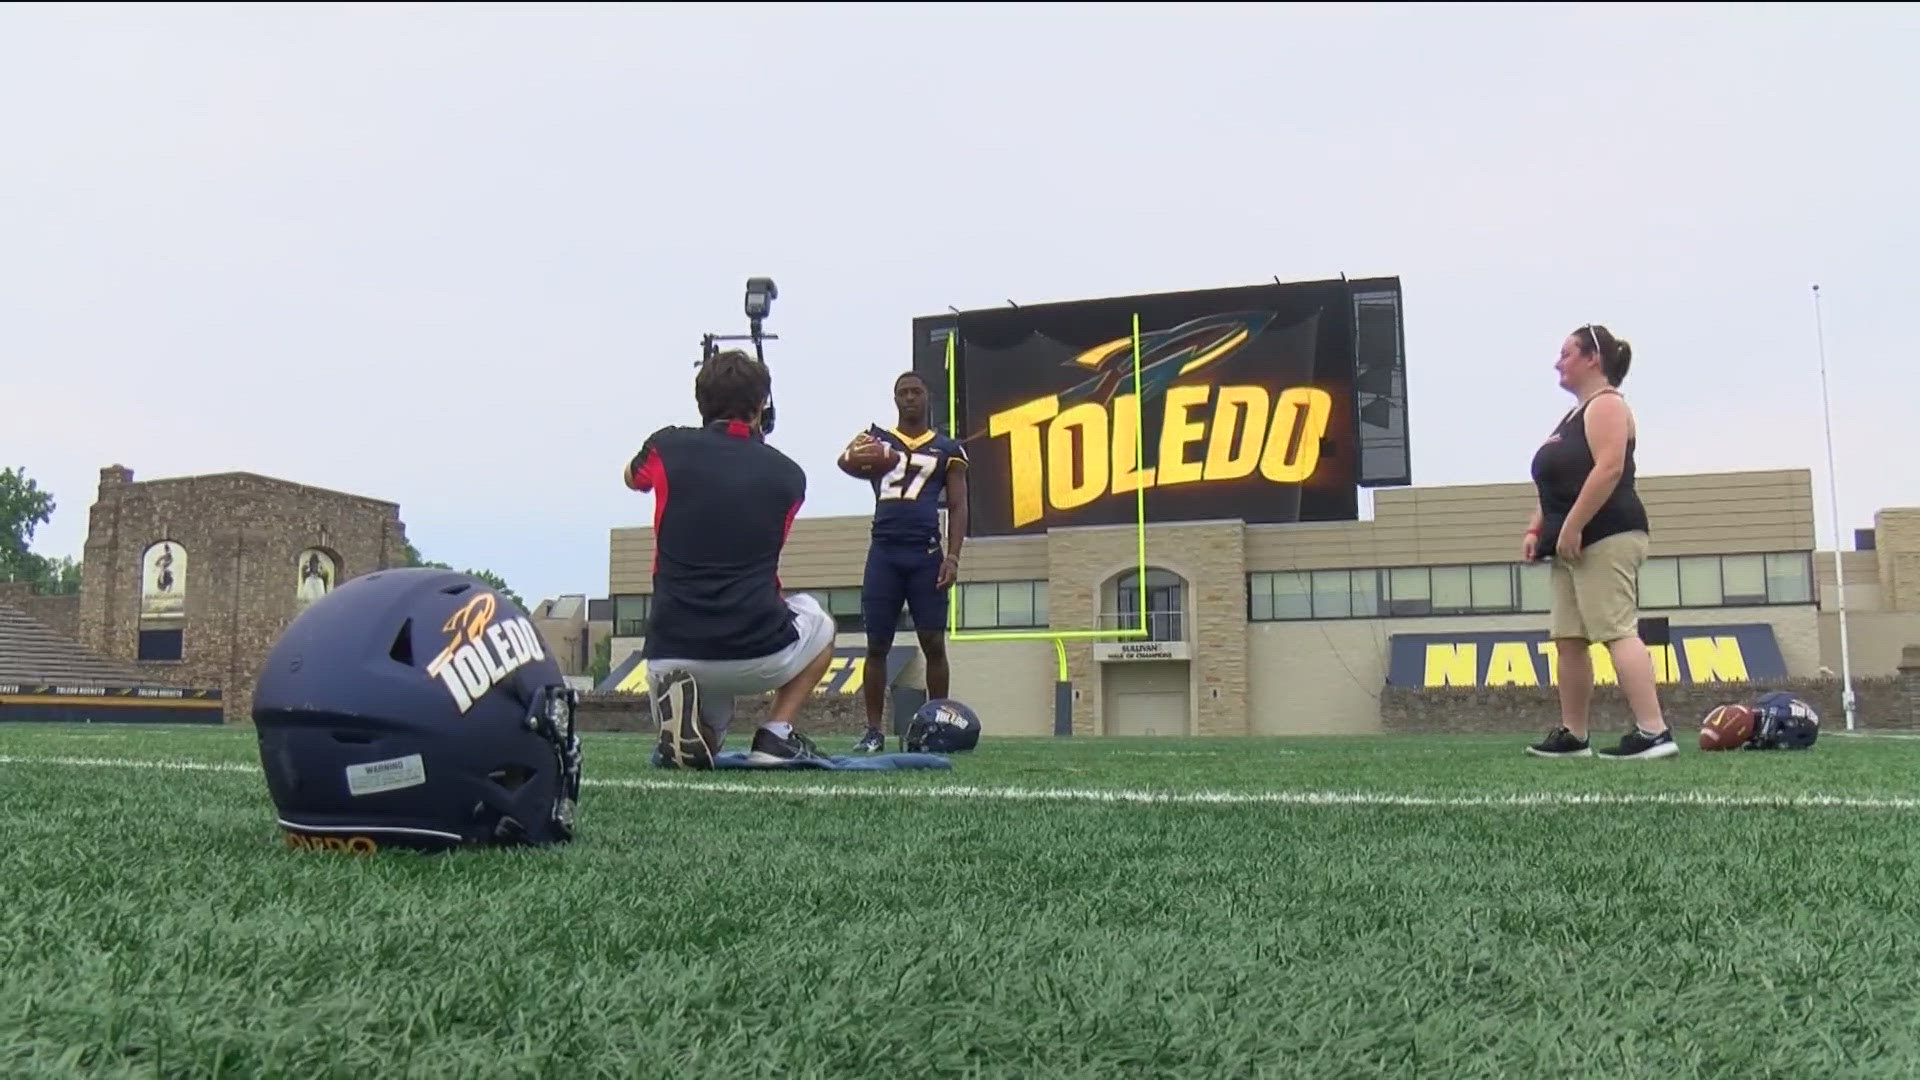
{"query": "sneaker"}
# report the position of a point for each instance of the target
(872, 742)
(1561, 743)
(685, 742)
(771, 750)
(1638, 744)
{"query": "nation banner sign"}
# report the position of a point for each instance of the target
(1739, 652)
(1250, 405)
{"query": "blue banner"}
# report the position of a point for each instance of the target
(1740, 652)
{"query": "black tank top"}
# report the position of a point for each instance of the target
(1560, 470)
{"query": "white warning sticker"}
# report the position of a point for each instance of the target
(374, 777)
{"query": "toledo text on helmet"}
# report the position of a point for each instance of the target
(482, 651)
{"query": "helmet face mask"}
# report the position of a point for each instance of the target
(417, 709)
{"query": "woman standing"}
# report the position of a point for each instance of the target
(1589, 521)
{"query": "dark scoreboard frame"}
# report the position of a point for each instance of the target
(1345, 337)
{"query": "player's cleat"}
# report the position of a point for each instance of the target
(684, 741)
(872, 742)
(1638, 744)
(1561, 743)
(770, 750)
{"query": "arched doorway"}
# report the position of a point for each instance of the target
(1146, 684)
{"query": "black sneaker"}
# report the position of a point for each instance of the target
(1638, 744)
(1561, 743)
(769, 749)
(685, 742)
(872, 742)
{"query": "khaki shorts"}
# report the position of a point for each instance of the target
(1598, 596)
(719, 681)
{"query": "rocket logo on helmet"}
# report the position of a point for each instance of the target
(416, 709)
(943, 726)
(481, 651)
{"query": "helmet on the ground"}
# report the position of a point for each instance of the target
(1782, 721)
(417, 708)
(943, 726)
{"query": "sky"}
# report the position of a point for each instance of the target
(460, 257)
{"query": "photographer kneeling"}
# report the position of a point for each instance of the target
(719, 626)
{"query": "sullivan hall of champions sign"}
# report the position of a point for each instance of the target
(1696, 654)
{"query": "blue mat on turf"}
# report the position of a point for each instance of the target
(737, 759)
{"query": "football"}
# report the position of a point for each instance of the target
(869, 457)
(1727, 727)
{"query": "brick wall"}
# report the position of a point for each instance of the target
(1897, 543)
(242, 536)
(1880, 703)
(60, 614)
(1211, 556)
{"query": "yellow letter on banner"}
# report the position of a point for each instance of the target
(1451, 665)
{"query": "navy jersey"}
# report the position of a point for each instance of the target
(907, 500)
(717, 541)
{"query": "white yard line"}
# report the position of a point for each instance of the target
(715, 784)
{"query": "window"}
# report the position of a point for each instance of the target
(1260, 597)
(1660, 583)
(1332, 596)
(161, 644)
(1743, 579)
(1492, 588)
(630, 614)
(1790, 578)
(1165, 603)
(1366, 593)
(1666, 582)
(1700, 581)
(1536, 587)
(844, 606)
(1003, 605)
(1409, 592)
(1452, 590)
(1292, 596)
(1279, 594)
(1016, 603)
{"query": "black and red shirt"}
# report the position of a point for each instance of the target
(723, 503)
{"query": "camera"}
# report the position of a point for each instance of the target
(761, 292)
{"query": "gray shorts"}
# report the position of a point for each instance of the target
(719, 681)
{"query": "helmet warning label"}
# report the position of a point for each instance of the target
(373, 777)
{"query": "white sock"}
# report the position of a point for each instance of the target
(780, 729)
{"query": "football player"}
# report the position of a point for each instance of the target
(911, 467)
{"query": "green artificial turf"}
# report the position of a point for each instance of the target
(1699, 922)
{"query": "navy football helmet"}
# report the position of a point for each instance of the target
(417, 708)
(943, 726)
(1782, 721)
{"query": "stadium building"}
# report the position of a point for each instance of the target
(1293, 629)
(1269, 607)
